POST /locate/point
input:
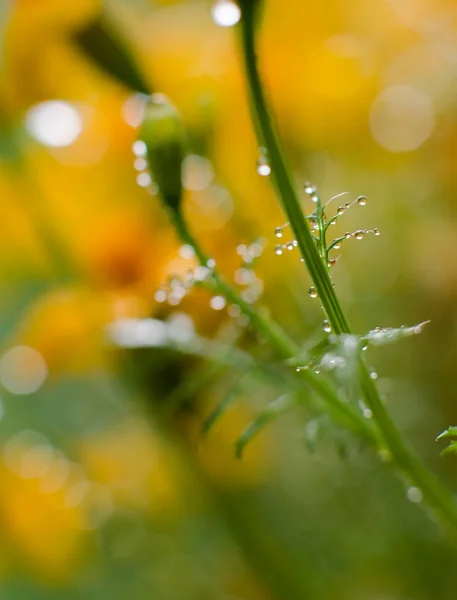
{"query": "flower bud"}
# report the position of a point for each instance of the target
(162, 131)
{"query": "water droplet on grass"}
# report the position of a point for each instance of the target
(217, 302)
(326, 326)
(160, 296)
(139, 148)
(263, 168)
(312, 292)
(309, 188)
(414, 494)
(362, 200)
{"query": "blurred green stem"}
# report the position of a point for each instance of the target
(435, 495)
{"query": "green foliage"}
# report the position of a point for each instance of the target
(340, 353)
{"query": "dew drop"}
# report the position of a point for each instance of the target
(373, 375)
(359, 234)
(337, 246)
(314, 198)
(309, 188)
(341, 210)
(295, 243)
(217, 302)
(347, 235)
(234, 310)
(278, 249)
(312, 292)
(290, 246)
(160, 296)
(186, 251)
(376, 231)
(140, 164)
(211, 263)
(279, 232)
(362, 200)
(313, 224)
(263, 168)
(317, 370)
(414, 494)
(174, 299)
(367, 413)
(326, 326)
(143, 179)
(139, 148)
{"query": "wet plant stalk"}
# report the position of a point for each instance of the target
(279, 339)
(435, 495)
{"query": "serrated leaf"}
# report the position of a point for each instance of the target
(451, 431)
(388, 335)
(271, 412)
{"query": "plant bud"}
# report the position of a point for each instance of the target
(163, 133)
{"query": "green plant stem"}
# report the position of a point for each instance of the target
(434, 493)
(279, 339)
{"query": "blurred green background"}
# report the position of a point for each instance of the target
(103, 492)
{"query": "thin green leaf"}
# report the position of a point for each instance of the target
(388, 335)
(105, 46)
(451, 449)
(451, 431)
(227, 401)
(270, 413)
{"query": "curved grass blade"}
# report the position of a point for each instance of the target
(271, 412)
(227, 401)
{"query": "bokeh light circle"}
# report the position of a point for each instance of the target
(402, 118)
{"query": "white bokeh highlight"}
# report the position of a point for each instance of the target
(225, 13)
(54, 123)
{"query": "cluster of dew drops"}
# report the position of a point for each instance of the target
(359, 234)
(140, 163)
(176, 288)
